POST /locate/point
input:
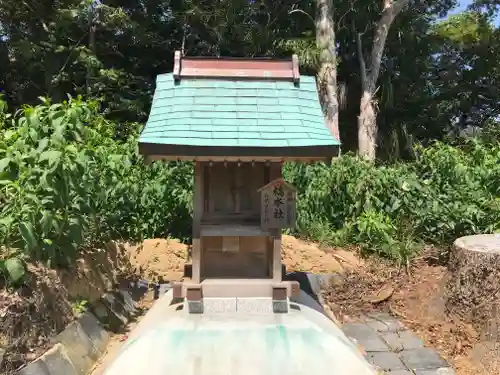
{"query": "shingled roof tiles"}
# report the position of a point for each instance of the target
(245, 113)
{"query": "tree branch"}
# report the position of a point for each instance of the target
(391, 10)
(362, 64)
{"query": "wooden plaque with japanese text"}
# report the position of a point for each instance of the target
(277, 205)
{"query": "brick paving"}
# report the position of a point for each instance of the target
(394, 349)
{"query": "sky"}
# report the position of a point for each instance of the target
(463, 4)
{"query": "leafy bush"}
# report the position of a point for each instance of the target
(66, 184)
(446, 193)
(12, 269)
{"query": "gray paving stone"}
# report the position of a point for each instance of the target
(386, 361)
(389, 323)
(422, 359)
(402, 340)
(377, 325)
(437, 371)
(399, 372)
(366, 337)
(358, 330)
(393, 341)
(410, 340)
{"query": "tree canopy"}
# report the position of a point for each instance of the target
(437, 73)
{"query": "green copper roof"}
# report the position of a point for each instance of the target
(244, 113)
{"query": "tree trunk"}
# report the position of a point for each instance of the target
(473, 289)
(367, 120)
(327, 73)
(92, 48)
(367, 127)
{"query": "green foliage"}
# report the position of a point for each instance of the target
(13, 269)
(66, 184)
(79, 306)
(390, 210)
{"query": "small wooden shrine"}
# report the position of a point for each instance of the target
(238, 120)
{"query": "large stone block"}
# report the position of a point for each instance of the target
(37, 367)
(115, 305)
(57, 361)
(106, 316)
(96, 333)
(78, 347)
(125, 299)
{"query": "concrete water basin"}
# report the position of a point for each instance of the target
(172, 341)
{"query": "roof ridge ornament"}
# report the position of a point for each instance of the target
(236, 68)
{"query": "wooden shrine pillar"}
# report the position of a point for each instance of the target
(275, 173)
(197, 215)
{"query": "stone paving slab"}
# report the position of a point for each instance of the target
(394, 349)
(365, 336)
(400, 372)
(422, 359)
(402, 340)
(383, 322)
(437, 371)
(386, 361)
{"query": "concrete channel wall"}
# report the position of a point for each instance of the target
(84, 341)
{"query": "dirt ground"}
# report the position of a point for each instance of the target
(417, 299)
(166, 258)
(26, 316)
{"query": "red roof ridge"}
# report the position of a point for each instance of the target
(236, 68)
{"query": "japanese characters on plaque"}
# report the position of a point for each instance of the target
(277, 205)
